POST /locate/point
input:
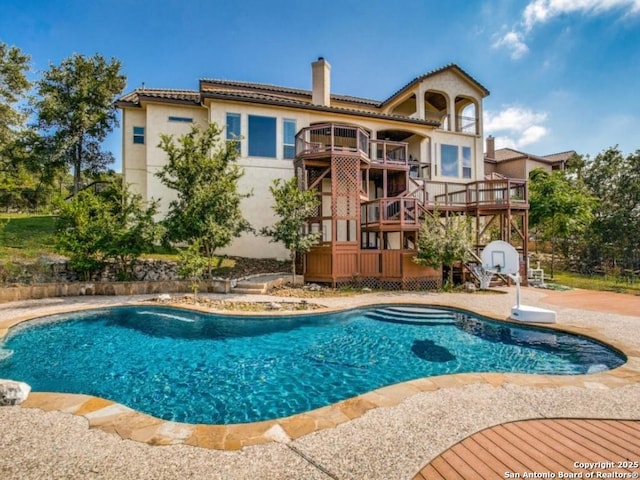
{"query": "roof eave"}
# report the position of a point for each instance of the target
(452, 66)
(320, 108)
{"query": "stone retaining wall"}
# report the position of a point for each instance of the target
(46, 290)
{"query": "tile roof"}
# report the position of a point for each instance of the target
(495, 176)
(276, 95)
(286, 90)
(181, 96)
(505, 154)
(274, 99)
(451, 66)
(560, 157)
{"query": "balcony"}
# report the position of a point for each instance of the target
(484, 194)
(331, 138)
(386, 152)
(399, 211)
(467, 124)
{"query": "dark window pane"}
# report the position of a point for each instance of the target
(289, 151)
(138, 135)
(262, 136)
(180, 119)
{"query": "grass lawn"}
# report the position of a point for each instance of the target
(593, 282)
(26, 236)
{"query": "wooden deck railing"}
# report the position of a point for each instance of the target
(390, 153)
(336, 138)
(331, 138)
(397, 210)
(483, 193)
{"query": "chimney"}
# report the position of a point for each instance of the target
(491, 148)
(321, 82)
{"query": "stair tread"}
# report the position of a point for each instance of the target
(248, 291)
(251, 285)
(418, 310)
(428, 320)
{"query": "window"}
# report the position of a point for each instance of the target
(138, 135)
(233, 126)
(262, 136)
(466, 162)
(449, 160)
(288, 138)
(180, 119)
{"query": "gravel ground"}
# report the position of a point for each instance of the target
(385, 443)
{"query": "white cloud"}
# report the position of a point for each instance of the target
(512, 41)
(532, 135)
(541, 11)
(515, 127)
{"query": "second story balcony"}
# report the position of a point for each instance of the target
(325, 139)
(328, 138)
(388, 153)
(484, 194)
(393, 212)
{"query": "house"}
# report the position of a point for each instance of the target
(378, 166)
(516, 164)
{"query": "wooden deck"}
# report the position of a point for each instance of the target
(532, 448)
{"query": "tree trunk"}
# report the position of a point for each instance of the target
(553, 254)
(77, 165)
(293, 266)
(209, 255)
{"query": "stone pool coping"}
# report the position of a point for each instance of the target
(130, 424)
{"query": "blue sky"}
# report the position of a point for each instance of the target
(563, 74)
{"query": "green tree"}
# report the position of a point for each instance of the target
(193, 266)
(294, 207)
(443, 241)
(80, 232)
(614, 235)
(204, 174)
(559, 210)
(576, 164)
(14, 86)
(75, 109)
(15, 179)
(133, 230)
(113, 225)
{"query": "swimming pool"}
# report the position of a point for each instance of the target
(195, 367)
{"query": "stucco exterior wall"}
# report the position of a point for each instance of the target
(141, 162)
(443, 137)
(157, 124)
(134, 156)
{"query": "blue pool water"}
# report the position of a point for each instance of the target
(200, 368)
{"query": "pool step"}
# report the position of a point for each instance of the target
(418, 312)
(413, 315)
(250, 288)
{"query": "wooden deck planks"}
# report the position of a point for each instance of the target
(539, 446)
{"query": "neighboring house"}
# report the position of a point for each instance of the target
(515, 164)
(378, 166)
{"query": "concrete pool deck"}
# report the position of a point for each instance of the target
(389, 433)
